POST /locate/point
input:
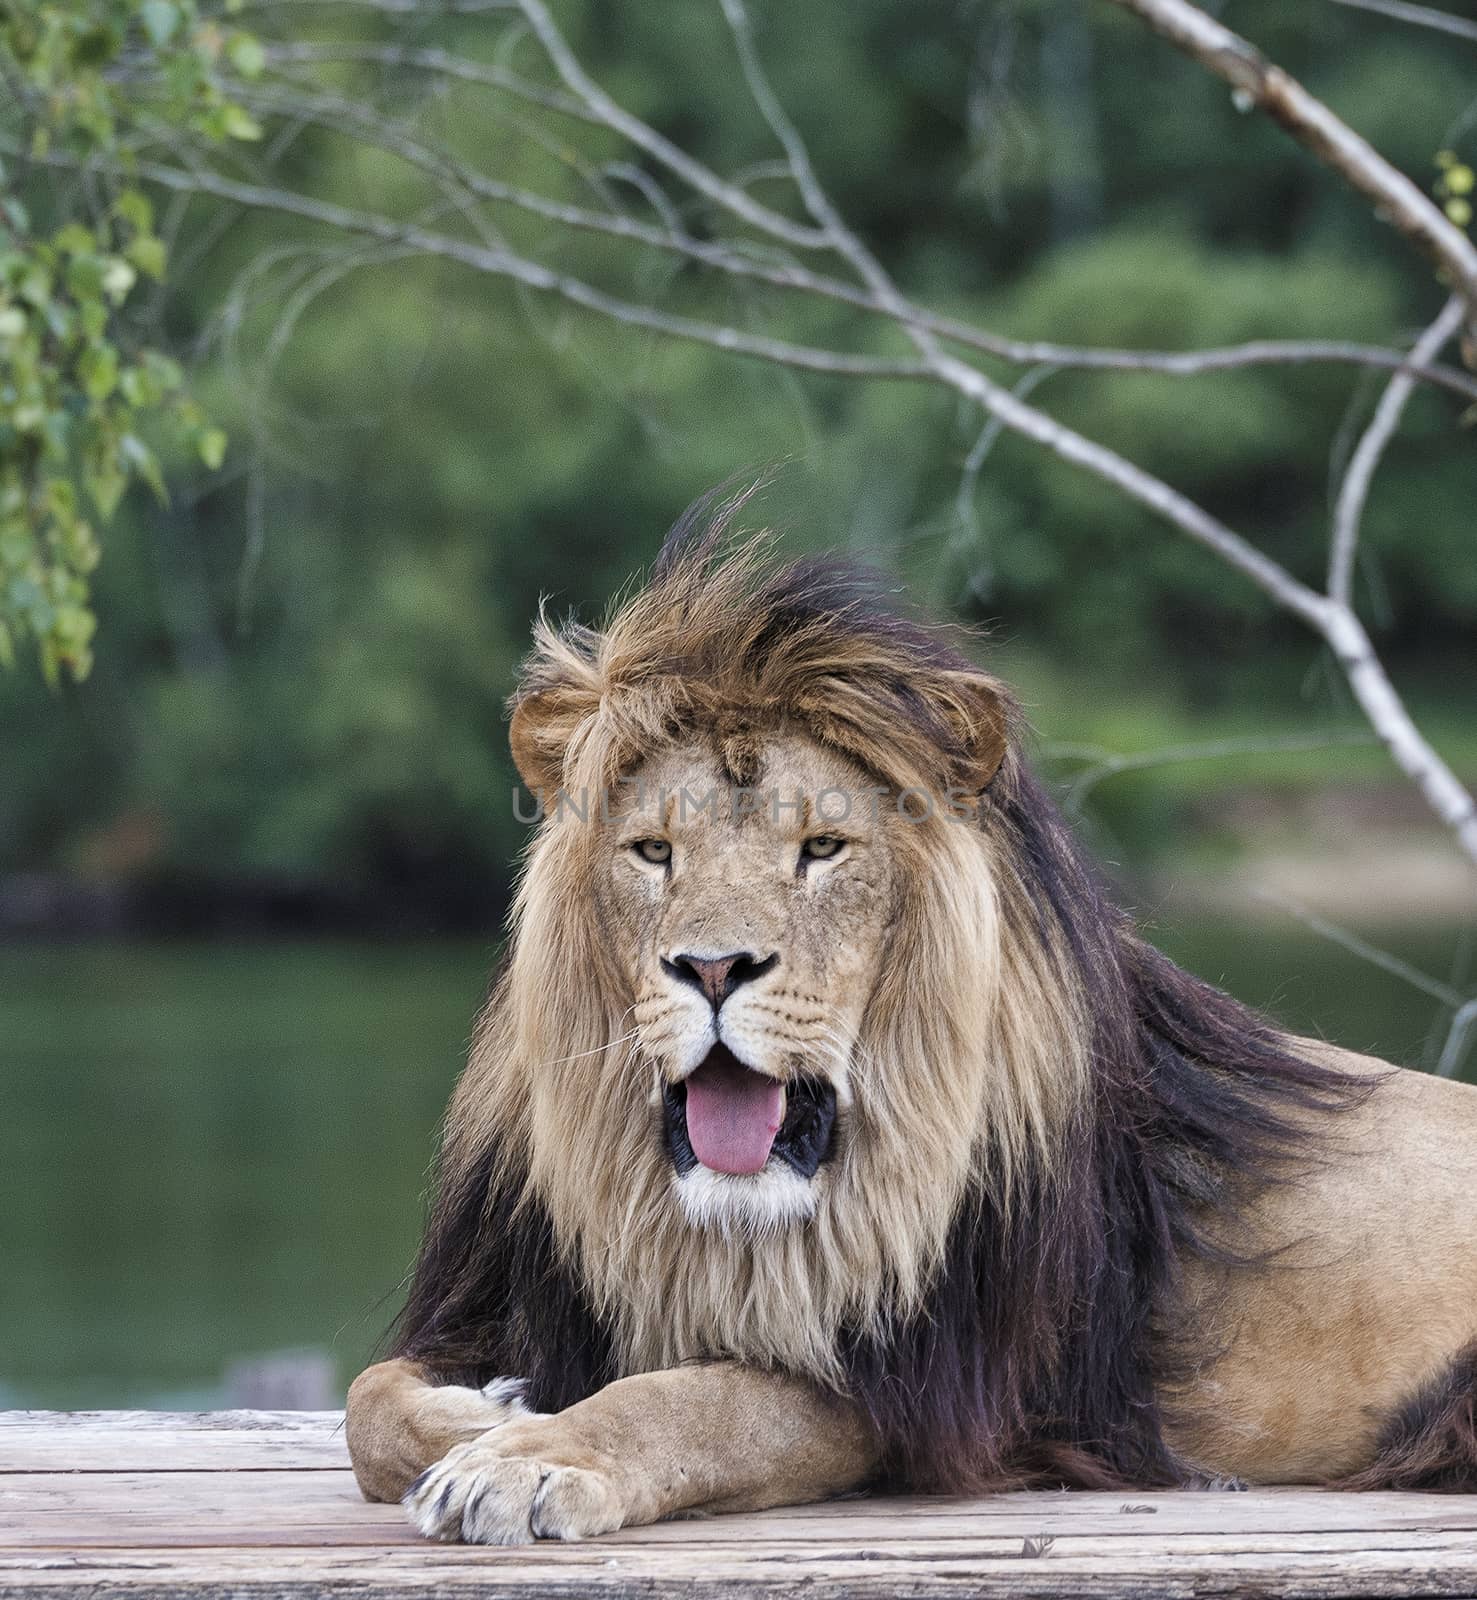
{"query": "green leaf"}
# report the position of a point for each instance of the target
(148, 254)
(118, 278)
(85, 277)
(140, 459)
(98, 369)
(74, 625)
(247, 55)
(161, 20)
(61, 497)
(106, 483)
(74, 239)
(35, 286)
(238, 123)
(164, 370)
(212, 447)
(136, 210)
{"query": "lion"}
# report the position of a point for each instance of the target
(829, 1129)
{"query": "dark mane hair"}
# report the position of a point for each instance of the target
(1053, 1322)
(491, 1296)
(1049, 1331)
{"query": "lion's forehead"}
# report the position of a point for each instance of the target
(782, 783)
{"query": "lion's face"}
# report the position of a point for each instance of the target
(753, 922)
(751, 1055)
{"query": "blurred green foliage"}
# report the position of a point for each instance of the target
(75, 399)
(306, 659)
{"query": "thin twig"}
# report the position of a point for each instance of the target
(1314, 126)
(507, 264)
(332, 111)
(1368, 453)
(1014, 412)
(966, 518)
(1421, 16)
(1456, 1040)
(693, 173)
(396, 8)
(1104, 764)
(426, 58)
(1388, 715)
(1365, 951)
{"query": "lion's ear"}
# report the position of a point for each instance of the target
(979, 712)
(544, 722)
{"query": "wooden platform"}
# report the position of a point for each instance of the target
(259, 1504)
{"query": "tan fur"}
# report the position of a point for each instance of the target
(398, 1423)
(712, 1438)
(1369, 1289)
(912, 974)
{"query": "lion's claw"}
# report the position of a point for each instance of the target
(489, 1492)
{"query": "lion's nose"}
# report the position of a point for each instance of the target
(719, 976)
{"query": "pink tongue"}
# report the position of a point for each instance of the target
(732, 1115)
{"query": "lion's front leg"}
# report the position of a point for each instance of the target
(398, 1422)
(720, 1437)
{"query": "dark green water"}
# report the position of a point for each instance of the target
(209, 1151)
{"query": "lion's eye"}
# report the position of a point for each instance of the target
(822, 847)
(656, 851)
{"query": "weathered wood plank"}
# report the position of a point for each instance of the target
(254, 1506)
(559, 1574)
(173, 1422)
(325, 1506)
(166, 1441)
(1416, 1544)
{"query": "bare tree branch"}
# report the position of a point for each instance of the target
(1354, 492)
(1317, 129)
(394, 8)
(661, 149)
(1464, 1010)
(533, 274)
(1193, 363)
(1421, 16)
(427, 59)
(1365, 951)
(1334, 621)
(1456, 1040)
(1388, 716)
(1001, 403)
(726, 257)
(1104, 764)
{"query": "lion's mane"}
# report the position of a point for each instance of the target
(1051, 1117)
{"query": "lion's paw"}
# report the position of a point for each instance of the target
(502, 1489)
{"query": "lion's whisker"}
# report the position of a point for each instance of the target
(598, 1050)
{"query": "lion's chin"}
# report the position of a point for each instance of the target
(753, 1205)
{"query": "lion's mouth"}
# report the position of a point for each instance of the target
(731, 1119)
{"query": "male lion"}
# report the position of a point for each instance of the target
(828, 1128)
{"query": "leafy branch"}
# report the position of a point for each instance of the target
(77, 394)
